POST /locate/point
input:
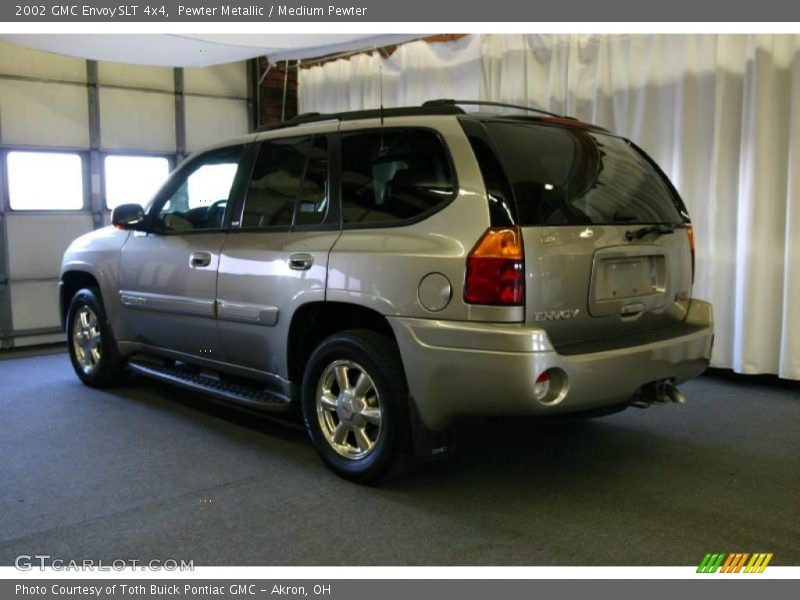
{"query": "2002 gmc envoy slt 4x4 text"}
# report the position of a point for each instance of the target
(390, 272)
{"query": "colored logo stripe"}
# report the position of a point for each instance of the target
(711, 563)
(759, 562)
(734, 562)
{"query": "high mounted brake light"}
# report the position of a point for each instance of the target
(496, 269)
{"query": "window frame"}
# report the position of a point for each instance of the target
(332, 220)
(411, 220)
(82, 154)
(179, 176)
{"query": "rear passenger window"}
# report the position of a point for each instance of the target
(289, 184)
(393, 175)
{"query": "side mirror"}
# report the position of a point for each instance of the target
(128, 216)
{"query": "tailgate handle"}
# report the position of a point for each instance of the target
(631, 309)
(301, 262)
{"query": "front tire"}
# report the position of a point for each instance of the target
(355, 405)
(92, 349)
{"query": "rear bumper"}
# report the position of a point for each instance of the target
(459, 369)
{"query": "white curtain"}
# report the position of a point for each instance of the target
(414, 73)
(719, 113)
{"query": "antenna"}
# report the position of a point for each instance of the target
(382, 149)
(380, 82)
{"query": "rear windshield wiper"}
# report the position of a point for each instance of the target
(638, 234)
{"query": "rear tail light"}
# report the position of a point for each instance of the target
(496, 269)
(690, 235)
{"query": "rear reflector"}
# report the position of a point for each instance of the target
(542, 386)
(496, 269)
(690, 235)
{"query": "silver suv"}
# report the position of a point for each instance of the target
(390, 272)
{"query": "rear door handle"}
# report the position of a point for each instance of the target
(199, 259)
(301, 261)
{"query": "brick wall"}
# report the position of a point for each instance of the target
(271, 89)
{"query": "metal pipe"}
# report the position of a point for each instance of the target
(285, 84)
(266, 72)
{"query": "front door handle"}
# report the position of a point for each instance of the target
(301, 261)
(199, 259)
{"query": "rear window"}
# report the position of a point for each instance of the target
(571, 176)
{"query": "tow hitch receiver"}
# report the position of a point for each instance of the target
(658, 392)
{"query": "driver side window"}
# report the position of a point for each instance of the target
(202, 195)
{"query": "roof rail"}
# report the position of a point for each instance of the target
(403, 111)
(450, 102)
(296, 120)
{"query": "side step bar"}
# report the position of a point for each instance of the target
(258, 399)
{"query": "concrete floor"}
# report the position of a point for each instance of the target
(145, 471)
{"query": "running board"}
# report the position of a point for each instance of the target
(258, 399)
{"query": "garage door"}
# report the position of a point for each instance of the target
(79, 137)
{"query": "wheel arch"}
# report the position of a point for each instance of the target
(71, 282)
(313, 322)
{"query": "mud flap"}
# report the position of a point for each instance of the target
(427, 444)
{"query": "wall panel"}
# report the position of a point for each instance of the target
(37, 242)
(137, 120)
(24, 62)
(34, 305)
(211, 120)
(223, 80)
(136, 76)
(43, 114)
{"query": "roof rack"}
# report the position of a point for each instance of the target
(450, 102)
(404, 111)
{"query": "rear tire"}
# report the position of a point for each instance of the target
(355, 406)
(92, 349)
